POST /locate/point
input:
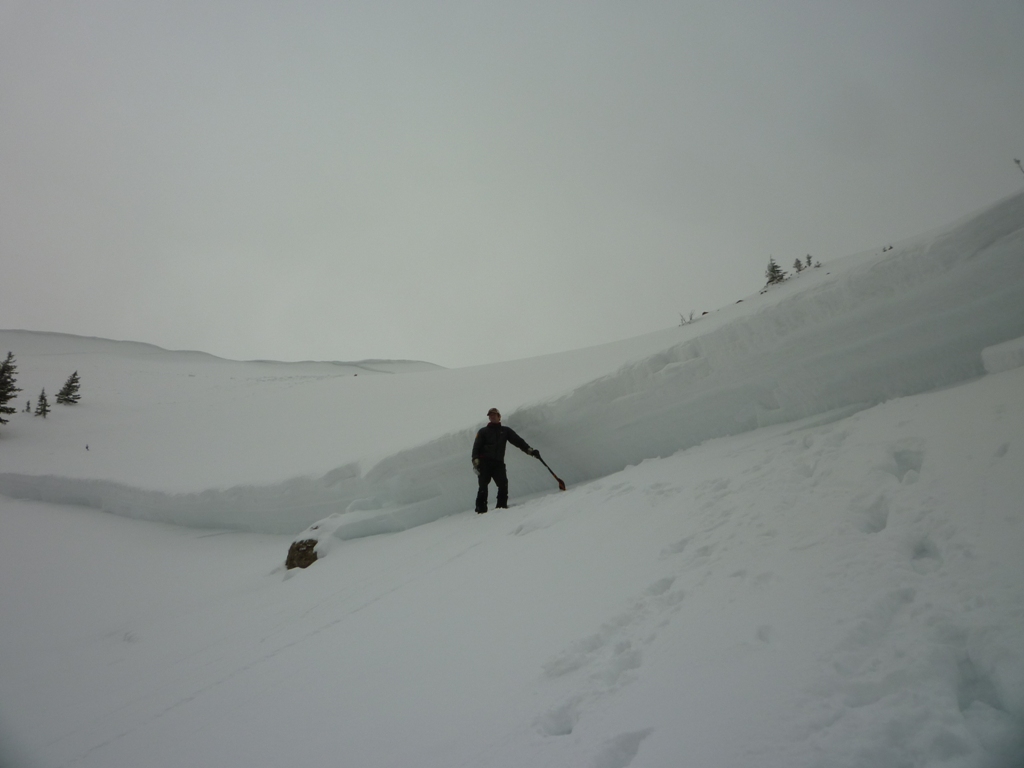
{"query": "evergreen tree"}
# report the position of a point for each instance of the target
(28, 406)
(798, 266)
(774, 273)
(68, 394)
(42, 405)
(808, 259)
(7, 387)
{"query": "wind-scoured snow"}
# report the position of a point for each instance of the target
(792, 539)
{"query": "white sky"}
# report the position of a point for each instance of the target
(472, 182)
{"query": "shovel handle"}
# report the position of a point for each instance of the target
(561, 483)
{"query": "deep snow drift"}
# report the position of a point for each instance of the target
(830, 341)
(829, 574)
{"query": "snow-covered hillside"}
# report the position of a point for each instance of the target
(792, 538)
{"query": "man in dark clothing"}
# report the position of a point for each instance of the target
(489, 459)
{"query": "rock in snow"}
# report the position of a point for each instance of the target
(301, 554)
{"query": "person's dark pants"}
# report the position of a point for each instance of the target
(492, 471)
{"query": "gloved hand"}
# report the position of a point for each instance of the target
(476, 466)
(534, 452)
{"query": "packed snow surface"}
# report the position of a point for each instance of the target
(792, 537)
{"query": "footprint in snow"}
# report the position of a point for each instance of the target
(624, 659)
(529, 527)
(925, 556)
(871, 513)
(677, 548)
(660, 587)
(561, 720)
(904, 460)
(620, 751)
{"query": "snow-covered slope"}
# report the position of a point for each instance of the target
(268, 447)
(842, 595)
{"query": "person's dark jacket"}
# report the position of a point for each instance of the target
(490, 443)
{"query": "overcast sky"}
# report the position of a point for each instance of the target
(467, 182)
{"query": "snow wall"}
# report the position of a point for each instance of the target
(914, 320)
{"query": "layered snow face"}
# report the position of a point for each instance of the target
(827, 343)
(806, 595)
(914, 321)
(879, 328)
(194, 439)
(1004, 357)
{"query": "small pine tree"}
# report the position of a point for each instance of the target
(8, 389)
(798, 266)
(28, 406)
(808, 259)
(68, 394)
(42, 405)
(774, 273)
